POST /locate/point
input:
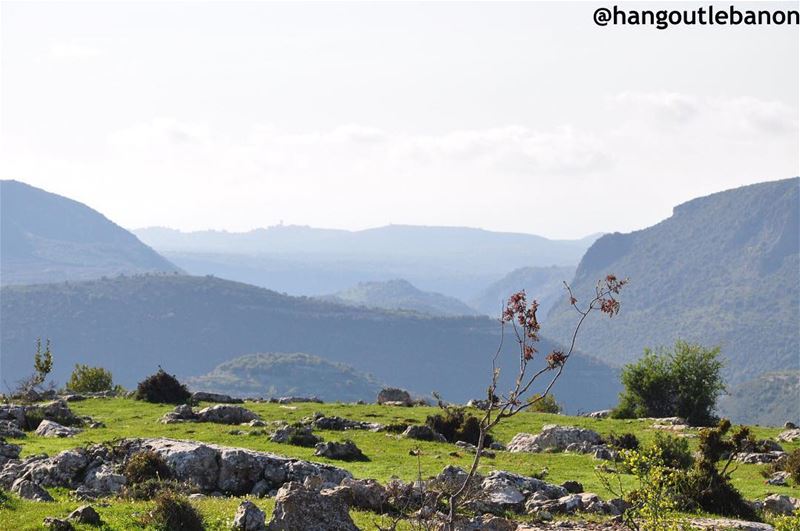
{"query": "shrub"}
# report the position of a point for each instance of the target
(172, 512)
(684, 382)
(674, 451)
(146, 465)
(626, 441)
(547, 404)
(162, 388)
(789, 463)
(654, 503)
(85, 379)
(456, 425)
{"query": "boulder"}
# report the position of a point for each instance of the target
(789, 435)
(202, 396)
(334, 423)
(10, 429)
(240, 470)
(188, 461)
(85, 514)
(393, 394)
(343, 451)
(778, 478)
(553, 438)
(366, 494)
(758, 458)
(299, 507)
(299, 399)
(103, 480)
(58, 411)
(296, 435)
(781, 504)
(249, 517)
(573, 487)
(49, 428)
(226, 414)
(788, 425)
(601, 414)
(29, 490)
(13, 413)
(66, 469)
(181, 413)
(57, 524)
(422, 432)
(502, 491)
(8, 452)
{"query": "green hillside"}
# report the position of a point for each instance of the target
(189, 325)
(722, 270)
(277, 374)
(45, 237)
(545, 284)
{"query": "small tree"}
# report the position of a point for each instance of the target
(684, 382)
(544, 404)
(85, 379)
(525, 324)
(42, 366)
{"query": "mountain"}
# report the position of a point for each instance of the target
(769, 400)
(189, 325)
(545, 284)
(455, 261)
(278, 374)
(400, 295)
(45, 237)
(722, 270)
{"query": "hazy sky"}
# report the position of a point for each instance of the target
(519, 116)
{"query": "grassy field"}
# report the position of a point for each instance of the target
(389, 454)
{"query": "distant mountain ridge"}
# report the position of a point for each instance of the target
(722, 270)
(400, 294)
(280, 374)
(545, 284)
(455, 261)
(46, 237)
(189, 325)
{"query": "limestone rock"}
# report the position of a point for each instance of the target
(249, 518)
(393, 394)
(781, 504)
(299, 507)
(789, 435)
(49, 428)
(57, 524)
(226, 414)
(202, 396)
(423, 433)
(85, 514)
(554, 438)
(343, 451)
(29, 490)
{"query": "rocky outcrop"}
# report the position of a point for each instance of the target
(553, 438)
(48, 428)
(29, 490)
(758, 458)
(789, 435)
(715, 524)
(301, 507)
(8, 452)
(334, 423)
(85, 514)
(423, 433)
(781, 504)
(219, 414)
(202, 396)
(394, 396)
(296, 435)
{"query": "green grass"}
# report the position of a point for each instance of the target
(389, 454)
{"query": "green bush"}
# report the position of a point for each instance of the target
(456, 425)
(162, 388)
(146, 465)
(547, 404)
(626, 441)
(85, 379)
(174, 512)
(674, 451)
(684, 382)
(656, 498)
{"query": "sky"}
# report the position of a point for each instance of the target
(522, 117)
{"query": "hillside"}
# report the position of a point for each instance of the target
(400, 295)
(277, 374)
(189, 325)
(722, 270)
(545, 284)
(771, 399)
(45, 237)
(455, 261)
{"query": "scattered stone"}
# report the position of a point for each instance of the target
(553, 438)
(256, 423)
(471, 448)
(758, 458)
(57, 524)
(29, 490)
(299, 507)
(249, 518)
(497, 446)
(49, 428)
(668, 421)
(299, 399)
(73, 398)
(321, 422)
(714, 524)
(778, 478)
(85, 514)
(10, 429)
(601, 414)
(393, 394)
(202, 396)
(226, 414)
(485, 522)
(790, 435)
(296, 435)
(781, 504)
(422, 432)
(343, 451)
